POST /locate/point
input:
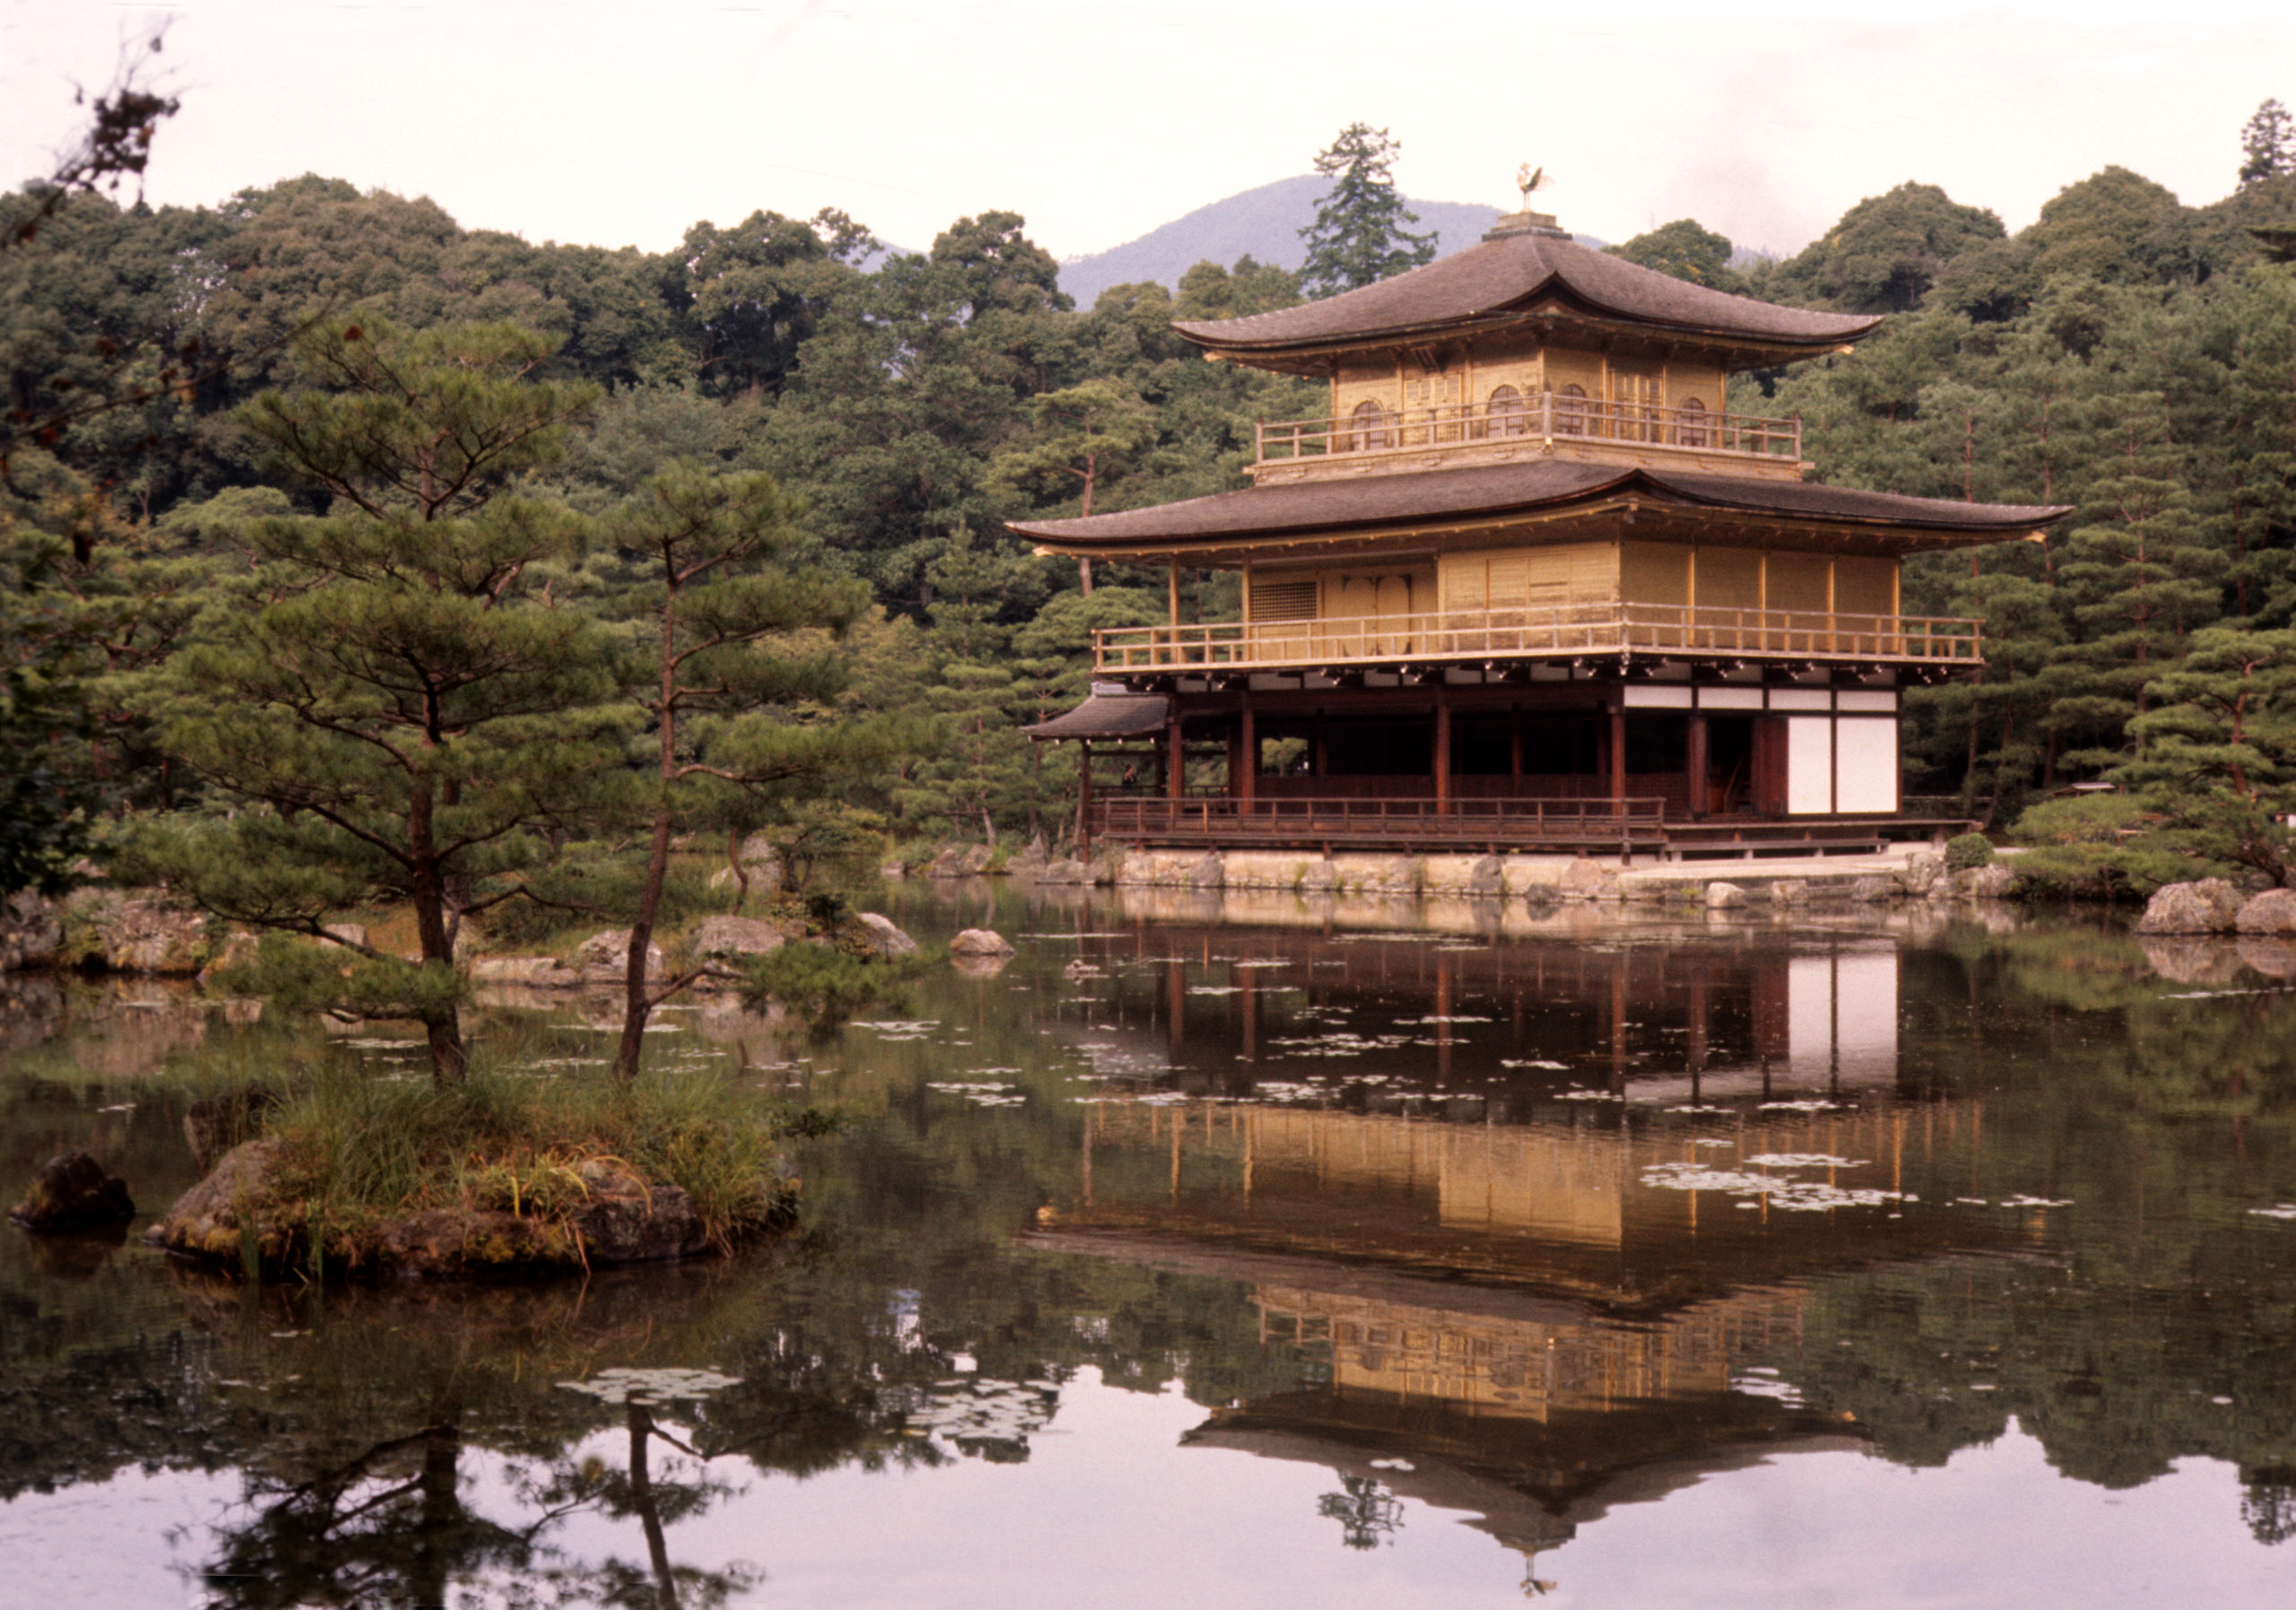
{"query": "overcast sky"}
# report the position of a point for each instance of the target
(623, 123)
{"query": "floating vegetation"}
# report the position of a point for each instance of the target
(1702, 1107)
(1708, 1140)
(1392, 1465)
(1789, 1196)
(2036, 1202)
(1215, 989)
(381, 1045)
(652, 1386)
(2284, 1210)
(1803, 1159)
(887, 1028)
(1811, 1104)
(983, 1092)
(1588, 1095)
(1455, 1017)
(1538, 1062)
(982, 1410)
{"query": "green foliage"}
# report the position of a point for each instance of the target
(1361, 231)
(2094, 845)
(1686, 250)
(1965, 851)
(1885, 252)
(826, 985)
(359, 1150)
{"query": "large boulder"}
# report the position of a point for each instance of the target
(1872, 891)
(1209, 872)
(2271, 915)
(1318, 877)
(726, 938)
(134, 931)
(205, 1221)
(882, 935)
(604, 957)
(1996, 881)
(1589, 879)
(73, 1191)
(1488, 876)
(30, 932)
(628, 1221)
(1724, 897)
(949, 864)
(1923, 873)
(980, 941)
(2208, 906)
(1065, 872)
(975, 861)
(1032, 859)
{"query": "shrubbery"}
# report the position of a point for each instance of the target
(1967, 850)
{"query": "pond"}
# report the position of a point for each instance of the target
(1254, 1254)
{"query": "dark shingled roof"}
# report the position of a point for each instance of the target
(1508, 275)
(1341, 503)
(1107, 715)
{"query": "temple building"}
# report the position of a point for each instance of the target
(1527, 585)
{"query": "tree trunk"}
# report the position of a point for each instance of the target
(635, 1007)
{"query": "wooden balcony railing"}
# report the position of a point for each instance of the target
(1561, 632)
(1542, 416)
(1381, 820)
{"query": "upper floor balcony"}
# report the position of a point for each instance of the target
(1507, 426)
(1483, 638)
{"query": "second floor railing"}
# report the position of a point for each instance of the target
(1372, 430)
(1559, 633)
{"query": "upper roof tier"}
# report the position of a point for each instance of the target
(1527, 278)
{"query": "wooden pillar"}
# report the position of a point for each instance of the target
(1083, 800)
(1442, 750)
(1174, 769)
(1515, 748)
(1248, 782)
(1618, 754)
(1696, 764)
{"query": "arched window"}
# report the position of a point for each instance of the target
(1507, 414)
(1370, 433)
(1689, 423)
(1570, 411)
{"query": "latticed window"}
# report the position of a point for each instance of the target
(1570, 411)
(1689, 423)
(1509, 415)
(1369, 430)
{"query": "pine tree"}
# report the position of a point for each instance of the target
(408, 707)
(1359, 234)
(2267, 144)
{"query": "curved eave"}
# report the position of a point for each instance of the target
(1460, 502)
(1551, 301)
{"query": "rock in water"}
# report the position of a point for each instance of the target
(604, 957)
(980, 941)
(31, 933)
(1724, 897)
(73, 1191)
(882, 936)
(719, 936)
(2209, 906)
(2271, 915)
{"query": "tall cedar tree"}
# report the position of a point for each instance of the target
(713, 611)
(408, 708)
(1359, 234)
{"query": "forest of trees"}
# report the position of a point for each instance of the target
(2125, 354)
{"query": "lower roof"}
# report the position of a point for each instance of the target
(1340, 507)
(1110, 712)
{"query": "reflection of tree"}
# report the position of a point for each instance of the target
(386, 1527)
(2268, 1502)
(1367, 1513)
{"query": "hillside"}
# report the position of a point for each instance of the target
(1264, 222)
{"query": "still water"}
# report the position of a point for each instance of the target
(1264, 1256)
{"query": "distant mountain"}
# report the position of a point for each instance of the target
(1264, 222)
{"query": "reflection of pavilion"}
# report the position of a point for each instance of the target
(1524, 1323)
(1741, 1013)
